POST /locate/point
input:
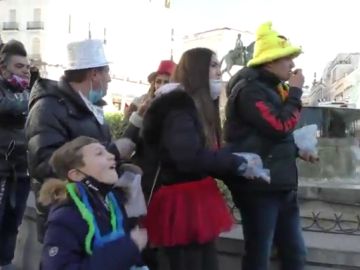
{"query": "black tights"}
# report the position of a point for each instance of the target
(192, 257)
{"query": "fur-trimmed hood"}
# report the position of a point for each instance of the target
(163, 104)
(167, 88)
(53, 191)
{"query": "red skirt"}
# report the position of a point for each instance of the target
(191, 212)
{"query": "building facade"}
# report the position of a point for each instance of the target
(133, 32)
(339, 82)
(24, 21)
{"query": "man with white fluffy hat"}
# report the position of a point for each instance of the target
(63, 110)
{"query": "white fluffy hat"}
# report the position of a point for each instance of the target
(86, 54)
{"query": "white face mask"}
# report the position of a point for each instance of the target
(215, 88)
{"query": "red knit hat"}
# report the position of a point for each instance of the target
(166, 67)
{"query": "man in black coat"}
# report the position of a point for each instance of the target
(261, 115)
(14, 180)
(61, 111)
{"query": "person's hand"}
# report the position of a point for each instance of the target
(253, 167)
(253, 172)
(308, 156)
(126, 147)
(297, 79)
(144, 106)
(140, 237)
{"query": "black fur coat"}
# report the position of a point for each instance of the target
(173, 134)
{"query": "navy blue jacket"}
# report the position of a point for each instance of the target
(64, 243)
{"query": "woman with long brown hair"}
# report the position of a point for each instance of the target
(182, 130)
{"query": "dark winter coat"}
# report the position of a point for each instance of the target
(173, 137)
(58, 115)
(13, 113)
(258, 121)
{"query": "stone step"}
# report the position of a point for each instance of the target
(340, 192)
(324, 249)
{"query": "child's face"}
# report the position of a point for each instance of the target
(99, 163)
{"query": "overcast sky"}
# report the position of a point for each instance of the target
(323, 28)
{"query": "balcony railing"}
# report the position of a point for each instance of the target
(35, 25)
(10, 26)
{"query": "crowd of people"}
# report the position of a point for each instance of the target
(117, 203)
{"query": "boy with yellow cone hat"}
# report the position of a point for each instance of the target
(261, 113)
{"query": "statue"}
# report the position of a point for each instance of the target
(239, 44)
(240, 55)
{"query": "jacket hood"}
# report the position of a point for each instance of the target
(246, 73)
(253, 73)
(53, 191)
(43, 88)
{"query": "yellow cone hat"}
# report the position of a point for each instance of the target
(270, 46)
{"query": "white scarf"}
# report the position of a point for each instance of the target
(97, 111)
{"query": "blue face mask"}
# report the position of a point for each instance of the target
(95, 95)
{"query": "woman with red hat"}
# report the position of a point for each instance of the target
(133, 124)
(156, 80)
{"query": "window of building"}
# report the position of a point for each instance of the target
(12, 15)
(37, 14)
(36, 46)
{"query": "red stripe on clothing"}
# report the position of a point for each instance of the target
(274, 122)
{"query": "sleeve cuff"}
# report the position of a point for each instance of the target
(136, 120)
(241, 165)
(295, 92)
